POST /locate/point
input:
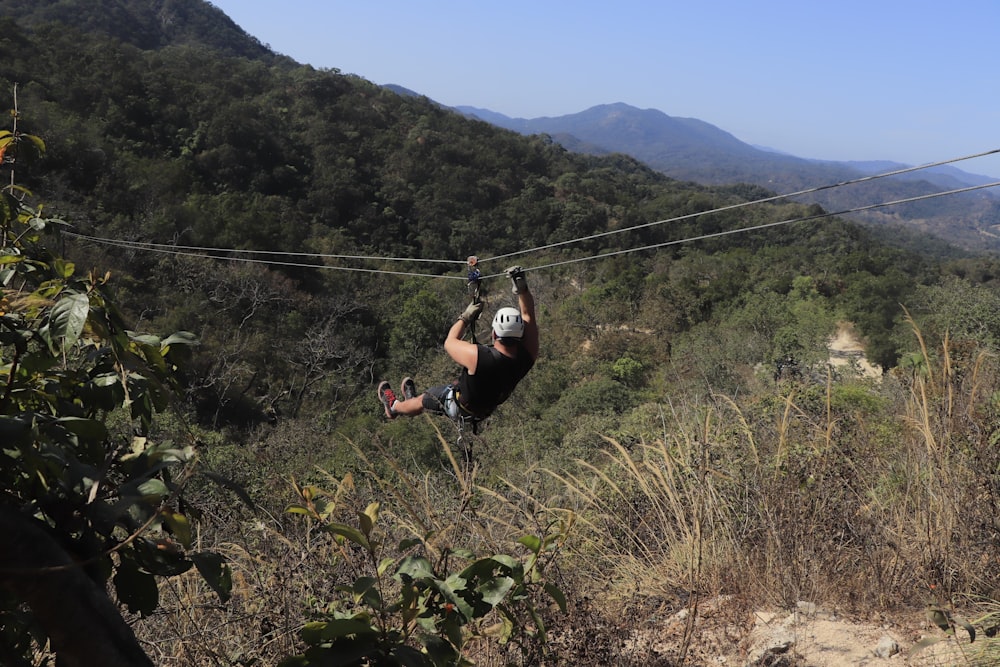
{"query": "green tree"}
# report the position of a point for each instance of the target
(421, 324)
(88, 497)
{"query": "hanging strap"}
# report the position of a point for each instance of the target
(474, 288)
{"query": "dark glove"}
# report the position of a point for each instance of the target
(516, 275)
(471, 312)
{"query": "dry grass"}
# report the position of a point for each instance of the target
(287, 569)
(814, 495)
(860, 496)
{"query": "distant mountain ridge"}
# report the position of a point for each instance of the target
(624, 125)
(693, 150)
(666, 142)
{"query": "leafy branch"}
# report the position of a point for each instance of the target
(403, 609)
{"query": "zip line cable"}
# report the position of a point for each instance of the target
(742, 204)
(148, 245)
(757, 227)
(169, 250)
(235, 254)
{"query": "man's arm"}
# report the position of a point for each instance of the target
(526, 304)
(463, 352)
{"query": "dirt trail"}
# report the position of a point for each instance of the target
(846, 350)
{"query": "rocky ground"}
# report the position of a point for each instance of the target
(724, 632)
(846, 351)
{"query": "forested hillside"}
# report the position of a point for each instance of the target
(182, 146)
(310, 230)
(689, 149)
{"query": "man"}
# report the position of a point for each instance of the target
(489, 374)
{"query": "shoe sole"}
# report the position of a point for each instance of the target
(402, 388)
(379, 392)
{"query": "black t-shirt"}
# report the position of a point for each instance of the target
(495, 378)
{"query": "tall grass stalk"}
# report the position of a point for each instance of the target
(656, 511)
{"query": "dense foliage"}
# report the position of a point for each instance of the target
(89, 497)
(188, 147)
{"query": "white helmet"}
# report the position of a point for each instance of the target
(507, 323)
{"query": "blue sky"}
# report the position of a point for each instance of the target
(906, 80)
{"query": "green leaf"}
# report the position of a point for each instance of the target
(495, 590)
(178, 338)
(37, 141)
(384, 565)
(179, 526)
(452, 627)
(362, 585)
(312, 632)
(415, 567)
(62, 268)
(532, 542)
(350, 533)
(455, 590)
(409, 542)
(9, 208)
(145, 339)
(168, 453)
(106, 380)
(441, 653)
(85, 429)
(366, 524)
(407, 656)
(67, 320)
(159, 557)
(153, 490)
(151, 354)
(216, 572)
(507, 561)
(464, 553)
(368, 518)
(539, 623)
(556, 595)
(486, 567)
(135, 588)
(345, 627)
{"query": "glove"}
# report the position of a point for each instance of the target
(516, 275)
(471, 312)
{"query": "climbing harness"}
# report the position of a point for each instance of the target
(450, 406)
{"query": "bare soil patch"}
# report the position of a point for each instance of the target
(722, 631)
(846, 350)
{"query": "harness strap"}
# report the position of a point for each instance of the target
(468, 416)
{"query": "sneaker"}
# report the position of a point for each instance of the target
(387, 398)
(408, 388)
